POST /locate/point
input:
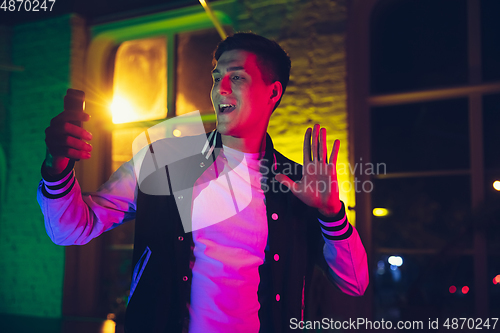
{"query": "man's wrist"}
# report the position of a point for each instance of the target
(55, 166)
(334, 214)
(58, 186)
(336, 227)
(55, 174)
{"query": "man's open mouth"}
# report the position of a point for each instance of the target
(226, 108)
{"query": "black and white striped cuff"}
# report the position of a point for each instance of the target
(336, 227)
(58, 186)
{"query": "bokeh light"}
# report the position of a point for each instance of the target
(380, 212)
(395, 261)
(496, 185)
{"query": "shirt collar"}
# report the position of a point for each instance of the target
(214, 141)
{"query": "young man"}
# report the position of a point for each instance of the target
(250, 271)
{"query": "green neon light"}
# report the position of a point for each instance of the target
(171, 22)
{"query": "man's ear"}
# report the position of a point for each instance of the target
(277, 91)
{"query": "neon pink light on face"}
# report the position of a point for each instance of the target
(238, 81)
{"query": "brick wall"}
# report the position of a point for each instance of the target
(5, 60)
(32, 274)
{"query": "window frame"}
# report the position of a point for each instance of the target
(360, 102)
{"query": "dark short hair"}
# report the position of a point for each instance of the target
(274, 62)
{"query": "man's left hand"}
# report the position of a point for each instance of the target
(318, 187)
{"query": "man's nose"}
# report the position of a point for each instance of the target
(225, 86)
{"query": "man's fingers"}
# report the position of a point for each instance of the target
(61, 124)
(68, 142)
(315, 146)
(66, 116)
(63, 151)
(65, 139)
(335, 152)
(322, 141)
(63, 129)
(60, 146)
(78, 144)
(76, 131)
(78, 154)
(307, 146)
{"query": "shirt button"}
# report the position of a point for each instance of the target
(180, 238)
(202, 165)
(274, 216)
(278, 297)
(180, 197)
(184, 278)
(276, 257)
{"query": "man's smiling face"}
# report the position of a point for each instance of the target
(242, 100)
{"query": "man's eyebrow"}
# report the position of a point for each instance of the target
(229, 69)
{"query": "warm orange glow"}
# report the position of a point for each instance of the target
(453, 289)
(109, 326)
(496, 279)
(177, 133)
(122, 111)
(496, 185)
(140, 81)
(465, 290)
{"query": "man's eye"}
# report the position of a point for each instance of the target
(236, 77)
(216, 79)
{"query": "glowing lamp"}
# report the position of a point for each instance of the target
(465, 290)
(496, 185)
(496, 279)
(177, 133)
(380, 212)
(122, 110)
(452, 289)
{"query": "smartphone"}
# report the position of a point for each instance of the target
(74, 101)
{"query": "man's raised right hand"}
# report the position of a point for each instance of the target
(65, 140)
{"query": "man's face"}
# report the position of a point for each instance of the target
(242, 100)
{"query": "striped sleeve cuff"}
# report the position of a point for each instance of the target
(336, 227)
(58, 186)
